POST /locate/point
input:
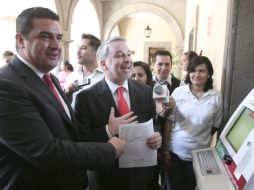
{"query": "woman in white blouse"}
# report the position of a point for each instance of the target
(197, 116)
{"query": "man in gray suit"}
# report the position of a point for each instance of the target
(96, 107)
(39, 146)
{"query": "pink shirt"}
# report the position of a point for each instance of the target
(62, 75)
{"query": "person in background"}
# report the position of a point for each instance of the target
(162, 68)
(162, 76)
(8, 56)
(117, 95)
(142, 73)
(185, 59)
(66, 68)
(88, 69)
(197, 116)
(40, 146)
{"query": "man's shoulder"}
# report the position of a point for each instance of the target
(7, 72)
(175, 79)
(10, 82)
(139, 86)
(92, 90)
(4, 70)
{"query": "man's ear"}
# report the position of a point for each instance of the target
(103, 65)
(20, 41)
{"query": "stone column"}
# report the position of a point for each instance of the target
(65, 44)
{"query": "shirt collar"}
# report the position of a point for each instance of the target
(168, 79)
(37, 71)
(113, 87)
(96, 70)
(209, 92)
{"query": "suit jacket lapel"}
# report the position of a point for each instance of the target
(66, 117)
(105, 98)
(58, 87)
(134, 91)
(37, 84)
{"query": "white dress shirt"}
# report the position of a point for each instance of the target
(113, 88)
(79, 76)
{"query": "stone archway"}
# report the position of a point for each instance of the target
(148, 8)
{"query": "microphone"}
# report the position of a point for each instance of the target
(80, 85)
(85, 83)
(161, 93)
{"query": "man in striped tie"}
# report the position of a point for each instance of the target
(112, 101)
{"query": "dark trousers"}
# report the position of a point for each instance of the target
(125, 179)
(181, 175)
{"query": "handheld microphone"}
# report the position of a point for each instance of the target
(161, 93)
(79, 85)
(85, 84)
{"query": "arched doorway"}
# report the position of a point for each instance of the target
(8, 15)
(141, 8)
(85, 20)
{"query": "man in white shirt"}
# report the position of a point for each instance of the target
(88, 69)
(162, 67)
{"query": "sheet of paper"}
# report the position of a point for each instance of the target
(136, 152)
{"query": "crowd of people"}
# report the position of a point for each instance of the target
(63, 132)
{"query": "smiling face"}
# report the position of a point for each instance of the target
(162, 67)
(42, 47)
(199, 76)
(139, 75)
(118, 64)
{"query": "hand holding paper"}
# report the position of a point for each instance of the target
(137, 153)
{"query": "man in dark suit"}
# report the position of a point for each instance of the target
(39, 146)
(96, 106)
(162, 67)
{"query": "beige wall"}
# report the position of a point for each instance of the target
(210, 31)
(133, 29)
(8, 14)
(176, 8)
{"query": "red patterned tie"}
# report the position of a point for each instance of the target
(122, 104)
(47, 78)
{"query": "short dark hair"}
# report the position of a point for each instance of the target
(8, 53)
(94, 41)
(163, 53)
(147, 71)
(190, 55)
(24, 21)
(68, 65)
(198, 60)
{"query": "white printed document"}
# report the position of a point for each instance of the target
(136, 152)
